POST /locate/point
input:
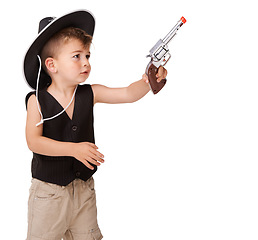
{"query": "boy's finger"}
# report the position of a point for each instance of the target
(100, 154)
(92, 161)
(88, 165)
(97, 153)
(161, 74)
(145, 78)
(160, 70)
(96, 158)
(93, 145)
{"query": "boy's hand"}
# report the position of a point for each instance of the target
(86, 153)
(162, 73)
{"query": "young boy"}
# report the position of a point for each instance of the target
(59, 128)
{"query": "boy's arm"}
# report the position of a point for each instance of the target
(132, 93)
(84, 152)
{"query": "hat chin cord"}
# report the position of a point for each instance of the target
(37, 99)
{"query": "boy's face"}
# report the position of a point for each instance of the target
(72, 62)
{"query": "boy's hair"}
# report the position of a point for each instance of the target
(52, 46)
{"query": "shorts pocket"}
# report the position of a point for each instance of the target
(95, 234)
(46, 191)
(45, 209)
(91, 184)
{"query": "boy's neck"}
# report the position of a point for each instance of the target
(61, 89)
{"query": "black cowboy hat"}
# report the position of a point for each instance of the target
(47, 28)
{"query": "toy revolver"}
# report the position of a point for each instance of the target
(159, 57)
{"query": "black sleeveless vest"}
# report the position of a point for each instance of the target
(63, 170)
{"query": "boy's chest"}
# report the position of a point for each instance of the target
(70, 110)
(65, 103)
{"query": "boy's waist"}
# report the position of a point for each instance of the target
(60, 170)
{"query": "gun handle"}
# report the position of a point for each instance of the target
(151, 72)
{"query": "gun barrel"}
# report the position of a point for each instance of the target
(174, 30)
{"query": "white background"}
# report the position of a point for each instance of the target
(179, 165)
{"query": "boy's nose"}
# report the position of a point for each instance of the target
(86, 62)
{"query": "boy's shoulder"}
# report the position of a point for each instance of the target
(28, 96)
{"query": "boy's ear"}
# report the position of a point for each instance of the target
(50, 65)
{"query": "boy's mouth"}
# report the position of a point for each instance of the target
(85, 72)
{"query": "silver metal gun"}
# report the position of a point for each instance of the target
(160, 55)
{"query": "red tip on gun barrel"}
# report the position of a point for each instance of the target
(183, 20)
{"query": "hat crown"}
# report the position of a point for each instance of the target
(44, 22)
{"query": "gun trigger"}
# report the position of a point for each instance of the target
(165, 60)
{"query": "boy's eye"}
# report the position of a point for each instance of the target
(87, 56)
(76, 56)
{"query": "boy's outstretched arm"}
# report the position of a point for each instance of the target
(132, 93)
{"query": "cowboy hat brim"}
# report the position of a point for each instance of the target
(80, 19)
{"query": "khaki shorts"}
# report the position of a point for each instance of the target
(67, 213)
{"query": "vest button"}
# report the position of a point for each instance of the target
(77, 174)
(74, 128)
